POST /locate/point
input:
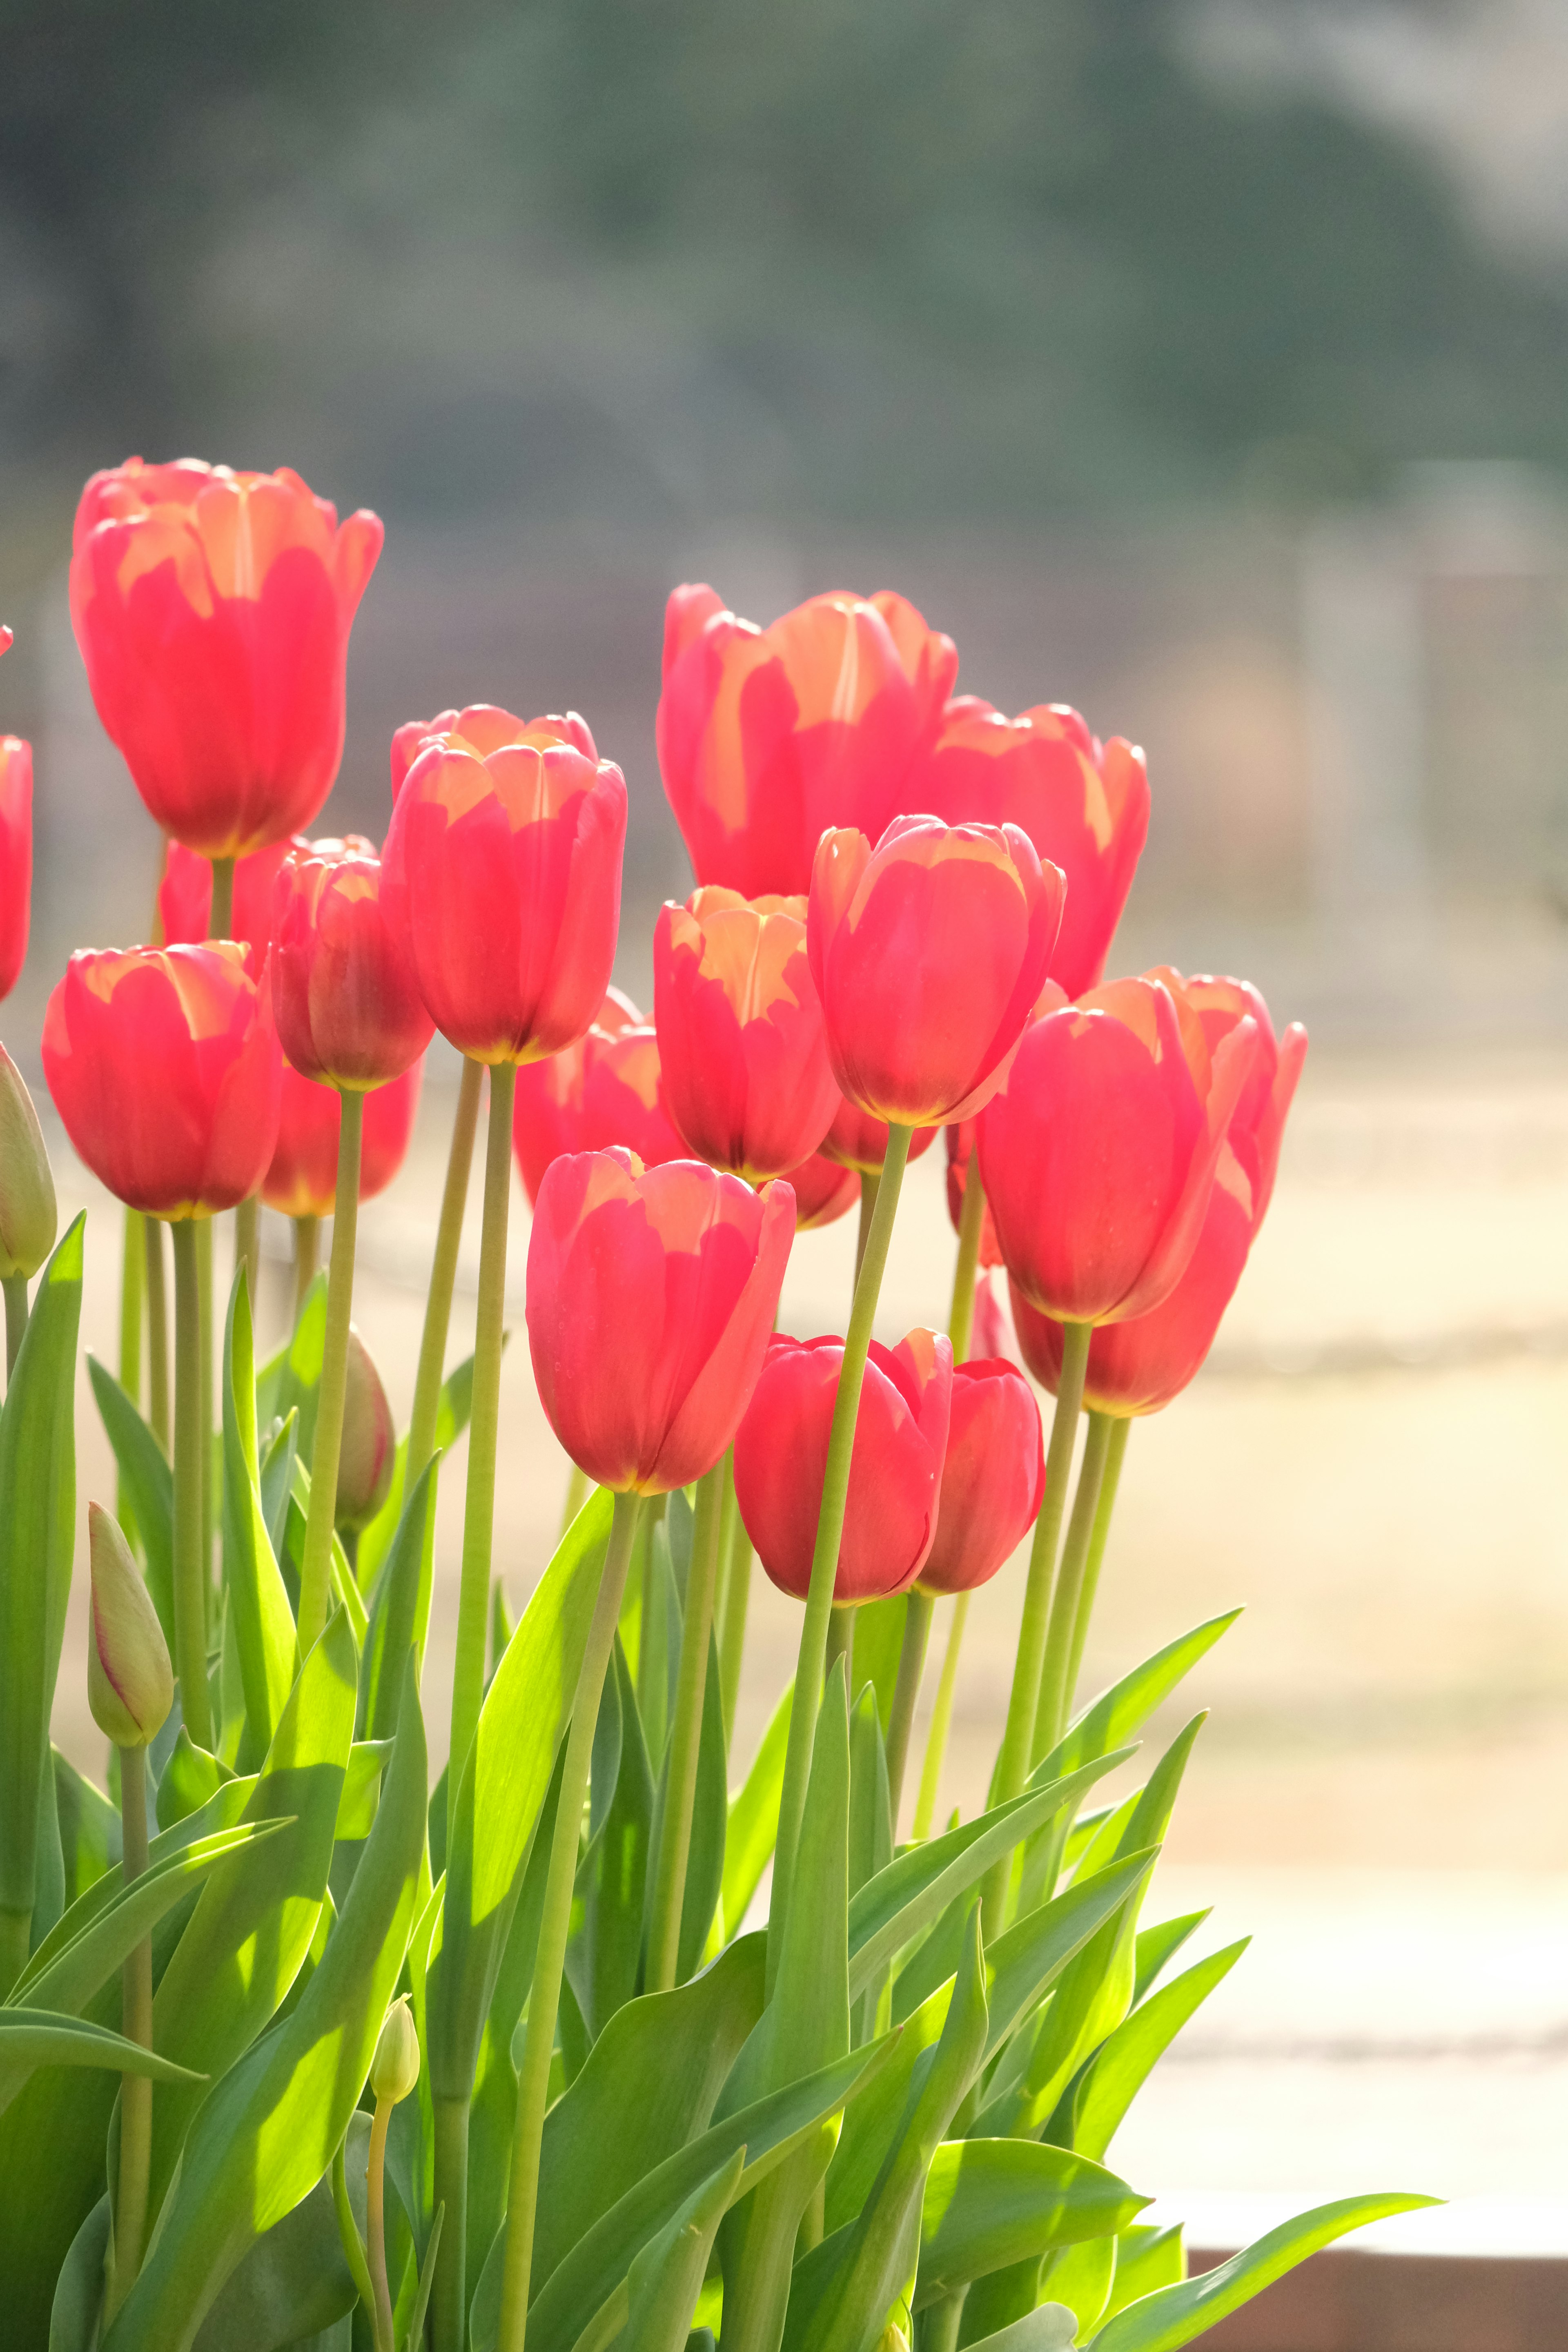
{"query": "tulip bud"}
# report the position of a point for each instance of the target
(369, 1442)
(129, 1683)
(893, 2339)
(395, 2069)
(27, 1216)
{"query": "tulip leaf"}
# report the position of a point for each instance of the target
(89, 1829)
(879, 1642)
(149, 1484)
(705, 1858)
(277, 1483)
(1081, 2277)
(31, 2038)
(658, 1631)
(1049, 2327)
(503, 1786)
(666, 2279)
(78, 2290)
(257, 1915)
(291, 1379)
(268, 2130)
(451, 1419)
(1146, 2257)
(753, 1820)
(1127, 1706)
(396, 1611)
(258, 1610)
(870, 1832)
(993, 2202)
(604, 1957)
(191, 1776)
(345, 1590)
(1174, 2316)
(38, 1515)
(1126, 2058)
(1157, 1946)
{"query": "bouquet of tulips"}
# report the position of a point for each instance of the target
(294, 2049)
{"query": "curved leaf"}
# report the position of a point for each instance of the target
(1125, 2060)
(31, 2038)
(258, 1610)
(149, 1483)
(993, 2202)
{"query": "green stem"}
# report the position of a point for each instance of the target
(448, 2297)
(869, 1186)
(680, 1783)
(136, 2006)
(732, 1627)
(1109, 1480)
(939, 2325)
(840, 1643)
(375, 2225)
(15, 1288)
(918, 1612)
(220, 920)
(1023, 1703)
(157, 1334)
(480, 1504)
(940, 1721)
(247, 1249)
(307, 1258)
(1050, 1716)
(316, 1563)
(190, 1574)
(534, 2078)
(205, 1387)
(970, 1224)
(829, 1533)
(443, 1274)
(348, 2229)
(132, 1268)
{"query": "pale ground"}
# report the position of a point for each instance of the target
(1375, 1464)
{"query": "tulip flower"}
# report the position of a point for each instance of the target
(369, 1449)
(212, 611)
(185, 896)
(824, 1192)
(895, 1469)
(959, 1160)
(1100, 1155)
(28, 1213)
(1137, 1366)
(741, 1051)
(929, 952)
(348, 1008)
(857, 1141)
(130, 1681)
(16, 856)
(1084, 804)
(504, 863)
(992, 1476)
(602, 1091)
(766, 737)
(302, 1175)
(164, 1065)
(651, 1298)
(486, 728)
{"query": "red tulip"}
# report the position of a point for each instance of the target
(1138, 1366)
(212, 611)
(1083, 804)
(347, 1004)
(302, 1180)
(503, 865)
(895, 1470)
(1100, 1155)
(959, 1159)
(929, 952)
(651, 1296)
(602, 1091)
(992, 1476)
(990, 1330)
(16, 856)
(185, 896)
(486, 728)
(824, 1192)
(745, 1061)
(858, 1140)
(768, 736)
(164, 1065)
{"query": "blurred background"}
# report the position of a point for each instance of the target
(1202, 363)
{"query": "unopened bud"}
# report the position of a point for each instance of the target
(369, 1442)
(27, 1213)
(130, 1684)
(893, 2339)
(395, 2069)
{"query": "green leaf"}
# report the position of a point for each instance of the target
(37, 1514)
(149, 1484)
(1051, 2327)
(89, 1827)
(31, 2038)
(362, 1788)
(291, 1380)
(190, 1778)
(502, 1787)
(1146, 2257)
(278, 1482)
(268, 2131)
(258, 1610)
(1123, 2063)
(658, 1637)
(78, 2291)
(705, 1860)
(1082, 2277)
(993, 2202)
(604, 1957)
(451, 1420)
(666, 2279)
(1175, 2314)
(415, 2336)
(398, 1606)
(1127, 1706)
(879, 1640)
(753, 1820)
(295, 2280)
(1157, 1946)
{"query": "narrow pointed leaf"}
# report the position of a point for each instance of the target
(31, 2038)
(753, 1820)
(993, 2202)
(258, 1610)
(149, 1483)
(1128, 2057)
(396, 1611)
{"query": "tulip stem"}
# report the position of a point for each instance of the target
(869, 1186)
(306, 1258)
(136, 2024)
(556, 1920)
(971, 1224)
(375, 2225)
(443, 1274)
(15, 1288)
(732, 1624)
(205, 1388)
(829, 1534)
(680, 1781)
(940, 1721)
(449, 2304)
(918, 1613)
(247, 1249)
(316, 1565)
(157, 1333)
(190, 1428)
(840, 1642)
(220, 920)
(1023, 1703)
(132, 1270)
(1050, 1716)
(480, 1503)
(1111, 1478)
